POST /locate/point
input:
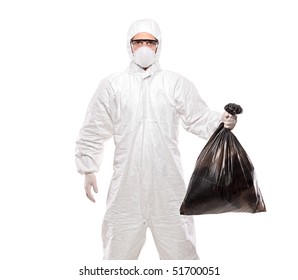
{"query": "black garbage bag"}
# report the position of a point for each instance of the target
(224, 179)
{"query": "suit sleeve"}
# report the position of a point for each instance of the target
(196, 116)
(97, 128)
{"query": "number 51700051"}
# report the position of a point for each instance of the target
(188, 270)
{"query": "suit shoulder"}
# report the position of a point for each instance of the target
(175, 77)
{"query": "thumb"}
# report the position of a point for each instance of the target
(95, 186)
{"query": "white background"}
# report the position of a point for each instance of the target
(53, 55)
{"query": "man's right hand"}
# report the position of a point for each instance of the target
(90, 182)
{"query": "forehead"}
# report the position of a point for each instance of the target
(143, 35)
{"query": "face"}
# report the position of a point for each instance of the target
(143, 39)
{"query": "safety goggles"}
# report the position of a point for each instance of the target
(141, 42)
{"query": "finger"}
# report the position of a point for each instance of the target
(230, 121)
(95, 188)
(229, 116)
(87, 187)
(88, 192)
(230, 124)
(90, 196)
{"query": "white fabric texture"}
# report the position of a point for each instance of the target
(141, 111)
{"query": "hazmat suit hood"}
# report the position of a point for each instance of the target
(144, 25)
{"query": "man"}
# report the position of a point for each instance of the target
(141, 108)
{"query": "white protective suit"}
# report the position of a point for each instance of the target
(141, 111)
